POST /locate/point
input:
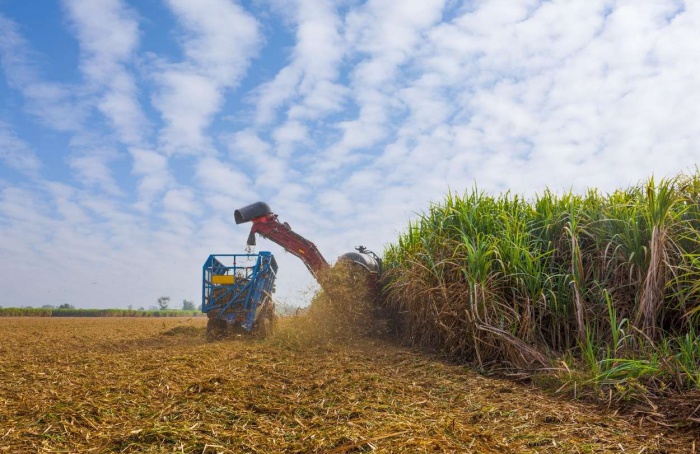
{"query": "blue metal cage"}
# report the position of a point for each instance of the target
(236, 286)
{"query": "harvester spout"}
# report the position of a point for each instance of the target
(250, 212)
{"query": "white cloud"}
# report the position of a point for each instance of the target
(181, 200)
(287, 136)
(93, 169)
(152, 168)
(105, 48)
(65, 108)
(54, 104)
(528, 87)
(219, 41)
(187, 102)
(249, 144)
(336, 203)
(384, 35)
(268, 168)
(110, 256)
(67, 207)
(106, 53)
(16, 153)
(221, 37)
(218, 176)
(222, 181)
(309, 83)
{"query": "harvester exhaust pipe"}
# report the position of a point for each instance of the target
(250, 212)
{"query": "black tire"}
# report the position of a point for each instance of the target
(216, 329)
(262, 328)
(266, 320)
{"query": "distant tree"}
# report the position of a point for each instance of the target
(48, 306)
(66, 306)
(163, 302)
(141, 308)
(187, 305)
(199, 308)
(152, 308)
(131, 307)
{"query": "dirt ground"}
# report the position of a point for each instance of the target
(156, 385)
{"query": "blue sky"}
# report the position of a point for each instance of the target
(131, 130)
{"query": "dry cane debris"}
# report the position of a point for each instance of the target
(156, 385)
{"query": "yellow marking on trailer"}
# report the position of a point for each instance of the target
(223, 279)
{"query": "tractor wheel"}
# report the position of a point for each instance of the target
(264, 325)
(216, 329)
(262, 328)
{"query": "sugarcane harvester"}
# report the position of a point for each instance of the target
(239, 298)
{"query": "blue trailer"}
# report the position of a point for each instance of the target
(237, 294)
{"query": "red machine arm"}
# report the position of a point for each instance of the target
(269, 227)
(265, 223)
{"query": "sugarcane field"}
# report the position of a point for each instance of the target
(494, 324)
(350, 226)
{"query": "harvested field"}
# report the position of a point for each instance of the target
(155, 385)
